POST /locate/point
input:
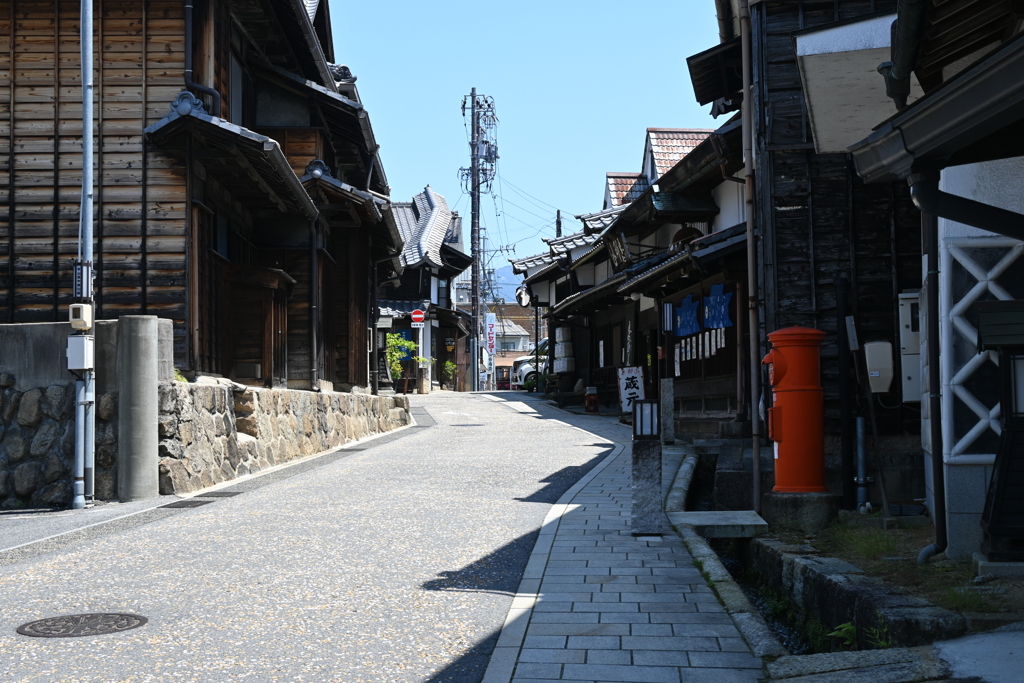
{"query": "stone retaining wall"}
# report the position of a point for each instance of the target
(834, 592)
(215, 430)
(37, 445)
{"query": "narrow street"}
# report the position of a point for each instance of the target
(398, 562)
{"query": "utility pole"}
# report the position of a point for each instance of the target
(483, 154)
(474, 195)
(558, 223)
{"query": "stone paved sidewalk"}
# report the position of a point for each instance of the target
(597, 604)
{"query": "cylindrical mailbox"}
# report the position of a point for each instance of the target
(591, 401)
(796, 418)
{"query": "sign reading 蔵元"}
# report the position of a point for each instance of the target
(631, 387)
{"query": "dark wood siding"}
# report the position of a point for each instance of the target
(817, 220)
(140, 194)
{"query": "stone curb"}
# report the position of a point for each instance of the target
(510, 641)
(749, 622)
(676, 499)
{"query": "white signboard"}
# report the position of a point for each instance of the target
(416, 326)
(631, 387)
(491, 331)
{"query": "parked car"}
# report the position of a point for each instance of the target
(525, 368)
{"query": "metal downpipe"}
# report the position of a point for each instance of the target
(754, 326)
(189, 83)
(924, 190)
(930, 248)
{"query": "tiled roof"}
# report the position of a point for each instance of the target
(423, 223)
(519, 266)
(599, 220)
(562, 245)
(625, 187)
(670, 145)
(400, 308)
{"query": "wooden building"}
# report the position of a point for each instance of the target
(246, 207)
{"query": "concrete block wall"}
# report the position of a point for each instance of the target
(966, 488)
(214, 430)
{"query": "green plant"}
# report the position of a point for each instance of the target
(448, 371)
(816, 635)
(847, 633)
(397, 348)
(962, 599)
(530, 384)
(178, 377)
(878, 636)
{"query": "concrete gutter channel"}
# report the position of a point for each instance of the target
(910, 620)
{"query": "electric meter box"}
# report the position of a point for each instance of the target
(910, 346)
(80, 316)
(878, 358)
(81, 352)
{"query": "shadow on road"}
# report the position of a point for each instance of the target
(500, 572)
(559, 482)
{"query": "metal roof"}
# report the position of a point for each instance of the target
(624, 187)
(602, 288)
(669, 145)
(424, 223)
(509, 328)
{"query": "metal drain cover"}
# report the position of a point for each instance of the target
(219, 494)
(76, 625)
(187, 503)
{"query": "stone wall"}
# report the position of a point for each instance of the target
(37, 445)
(215, 430)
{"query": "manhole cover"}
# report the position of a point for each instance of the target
(75, 625)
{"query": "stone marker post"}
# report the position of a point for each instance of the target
(647, 511)
(137, 374)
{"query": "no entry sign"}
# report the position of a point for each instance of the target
(417, 316)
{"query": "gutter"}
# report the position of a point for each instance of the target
(924, 190)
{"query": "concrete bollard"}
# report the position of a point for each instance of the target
(137, 373)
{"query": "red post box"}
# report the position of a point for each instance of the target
(796, 418)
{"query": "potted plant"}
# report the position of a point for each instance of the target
(399, 348)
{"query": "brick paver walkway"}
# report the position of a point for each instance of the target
(597, 604)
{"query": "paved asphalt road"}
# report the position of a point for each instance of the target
(394, 563)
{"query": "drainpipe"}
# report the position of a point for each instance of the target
(906, 34)
(314, 287)
(754, 325)
(930, 248)
(189, 83)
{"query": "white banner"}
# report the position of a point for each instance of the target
(491, 331)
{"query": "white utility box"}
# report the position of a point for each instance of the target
(910, 346)
(81, 352)
(80, 316)
(878, 358)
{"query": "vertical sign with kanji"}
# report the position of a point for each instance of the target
(631, 387)
(490, 328)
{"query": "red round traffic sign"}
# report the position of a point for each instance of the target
(417, 316)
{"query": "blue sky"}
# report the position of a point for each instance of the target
(575, 85)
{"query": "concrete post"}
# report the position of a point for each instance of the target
(668, 402)
(647, 509)
(137, 372)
